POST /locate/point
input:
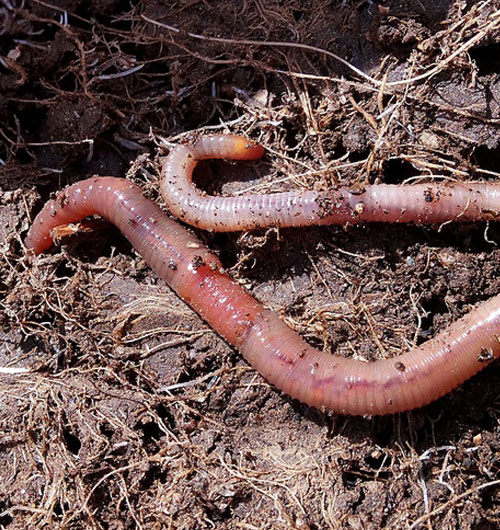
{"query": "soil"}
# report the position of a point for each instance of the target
(130, 412)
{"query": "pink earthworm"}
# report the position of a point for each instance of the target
(420, 203)
(345, 385)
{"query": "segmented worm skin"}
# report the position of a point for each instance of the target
(322, 380)
(425, 203)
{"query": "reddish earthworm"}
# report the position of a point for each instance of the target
(341, 384)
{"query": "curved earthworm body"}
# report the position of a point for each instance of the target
(317, 378)
(424, 203)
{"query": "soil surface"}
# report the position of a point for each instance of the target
(119, 407)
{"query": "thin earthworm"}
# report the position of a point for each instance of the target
(345, 385)
(420, 203)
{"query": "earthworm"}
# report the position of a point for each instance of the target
(420, 203)
(345, 385)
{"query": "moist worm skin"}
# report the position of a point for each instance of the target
(419, 203)
(322, 380)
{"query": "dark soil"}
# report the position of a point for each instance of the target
(133, 413)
